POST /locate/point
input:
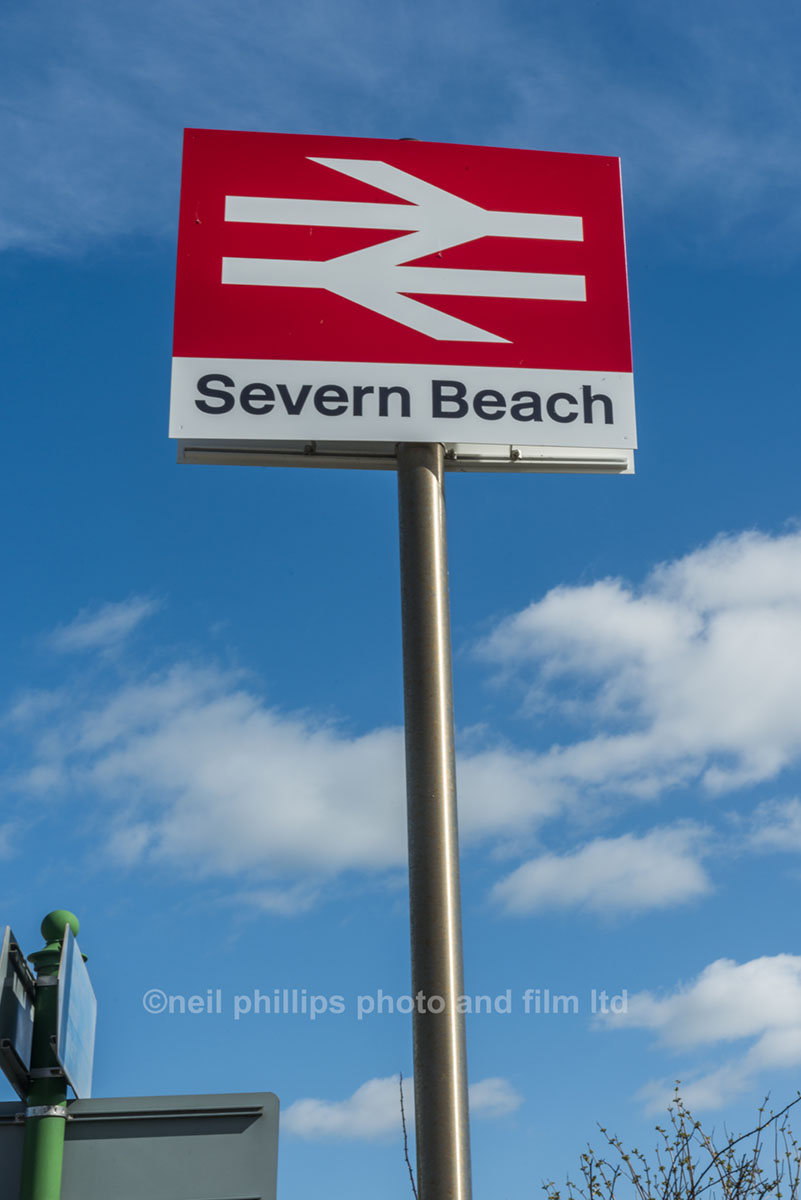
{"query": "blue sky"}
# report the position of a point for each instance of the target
(201, 708)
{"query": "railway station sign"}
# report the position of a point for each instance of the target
(336, 296)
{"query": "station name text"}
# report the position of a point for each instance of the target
(449, 399)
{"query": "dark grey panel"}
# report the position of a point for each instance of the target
(160, 1148)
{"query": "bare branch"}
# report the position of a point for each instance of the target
(687, 1165)
(406, 1138)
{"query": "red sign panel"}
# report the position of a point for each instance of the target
(283, 321)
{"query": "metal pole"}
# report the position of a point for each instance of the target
(440, 1061)
(46, 1111)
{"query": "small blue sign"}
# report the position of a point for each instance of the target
(77, 1018)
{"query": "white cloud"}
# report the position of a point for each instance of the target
(725, 1002)
(212, 776)
(373, 1111)
(494, 1097)
(627, 874)
(690, 677)
(190, 767)
(502, 791)
(728, 1002)
(103, 627)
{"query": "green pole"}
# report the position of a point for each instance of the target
(46, 1110)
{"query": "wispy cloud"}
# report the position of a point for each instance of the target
(286, 902)
(757, 1003)
(776, 825)
(8, 831)
(103, 627)
(373, 1111)
(622, 875)
(93, 102)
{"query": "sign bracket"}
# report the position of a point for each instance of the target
(382, 456)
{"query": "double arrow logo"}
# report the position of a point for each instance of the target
(379, 277)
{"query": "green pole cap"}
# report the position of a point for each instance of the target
(54, 926)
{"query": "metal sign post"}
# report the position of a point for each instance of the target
(46, 1111)
(440, 1061)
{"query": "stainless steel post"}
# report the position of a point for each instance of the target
(440, 1061)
